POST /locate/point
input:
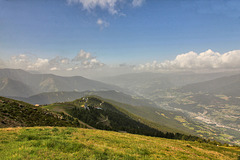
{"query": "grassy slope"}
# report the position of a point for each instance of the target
(122, 115)
(16, 113)
(78, 143)
(148, 116)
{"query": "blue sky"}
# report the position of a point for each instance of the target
(120, 32)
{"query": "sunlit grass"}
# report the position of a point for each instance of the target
(76, 143)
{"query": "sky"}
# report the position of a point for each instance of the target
(107, 37)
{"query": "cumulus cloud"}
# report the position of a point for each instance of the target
(113, 7)
(137, 3)
(86, 64)
(89, 5)
(38, 64)
(102, 24)
(54, 69)
(192, 60)
(69, 69)
(83, 60)
(58, 63)
(109, 5)
(87, 60)
(82, 55)
(20, 60)
(27, 62)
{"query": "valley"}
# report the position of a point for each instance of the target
(206, 104)
(216, 116)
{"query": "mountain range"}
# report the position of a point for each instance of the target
(19, 83)
(228, 85)
(147, 83)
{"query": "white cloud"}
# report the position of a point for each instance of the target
(137, 3)
(102, 24)
(113, 7)
(109, 5)
(28, 62)
(87, 60)
(54, 69)
(69, 69)
(41, 62)
(58, 63)
(89, 5)
(83, 60)
(82, 55)
(86, 64)
(20, 59)
(191, 60)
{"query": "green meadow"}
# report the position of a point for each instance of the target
(78, 143)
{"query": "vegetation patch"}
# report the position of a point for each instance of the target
(76, 143)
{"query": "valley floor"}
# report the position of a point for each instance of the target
(77, 143)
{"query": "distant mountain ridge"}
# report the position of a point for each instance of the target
(148, 83)
(14, 88)
(38, 83)
(229, 85)
(53, 97)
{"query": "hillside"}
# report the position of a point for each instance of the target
(39, 83)
(76, 143)
(101, 114)
(16, 113)
(164, 119)
(138, 106)
(226, 85)
(9, 87)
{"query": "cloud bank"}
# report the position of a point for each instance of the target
(87, 61)
(27, 62)
(85, 64)
(208, 60)
(83, 60)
